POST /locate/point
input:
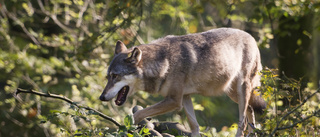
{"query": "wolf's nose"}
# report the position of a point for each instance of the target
(102, 98)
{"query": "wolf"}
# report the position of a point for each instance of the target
(210, 63)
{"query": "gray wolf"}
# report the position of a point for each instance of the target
(210, 63)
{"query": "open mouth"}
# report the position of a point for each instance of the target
(122, 95)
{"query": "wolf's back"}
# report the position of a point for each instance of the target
(208, 62)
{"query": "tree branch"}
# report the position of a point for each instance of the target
(53, 17)
(82, 10)
(21, 24)
(294, 110)
(302, 120)
(49, 95)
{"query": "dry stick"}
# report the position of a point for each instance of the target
(294, 124)
(67, 100)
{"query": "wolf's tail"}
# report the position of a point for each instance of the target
(257, 103)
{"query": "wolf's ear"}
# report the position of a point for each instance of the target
(120, 47)
(134, 56)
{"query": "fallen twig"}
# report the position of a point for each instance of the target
(49, 95)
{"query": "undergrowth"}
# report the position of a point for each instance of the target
(291, 111)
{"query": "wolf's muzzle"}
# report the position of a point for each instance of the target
(102, 98)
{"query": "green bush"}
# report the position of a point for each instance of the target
(279, 119)
(65, 46)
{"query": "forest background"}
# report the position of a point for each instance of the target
(65, 46)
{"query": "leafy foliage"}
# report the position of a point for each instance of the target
(291, 119)
(277, 120)
(301, 119)
(64, 46)
(58, 46)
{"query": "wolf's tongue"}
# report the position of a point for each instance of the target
(122, 95)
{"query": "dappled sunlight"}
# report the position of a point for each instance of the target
(57, 52)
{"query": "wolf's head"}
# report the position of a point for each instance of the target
(123, 74)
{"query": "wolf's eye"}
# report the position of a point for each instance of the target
(114, 76)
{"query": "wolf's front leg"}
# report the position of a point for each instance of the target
(166, 105)
(188, 108)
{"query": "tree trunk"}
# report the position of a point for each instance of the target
(295, 54)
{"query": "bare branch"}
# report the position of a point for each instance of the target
(53, 17)
(82, 10)
(13, 120)
(49, 95)
(302, 120)
(292, 111)
(304, 101)
(21, 24)
(137, 35)
(8, 39)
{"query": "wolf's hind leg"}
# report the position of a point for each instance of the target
(243, 90)
(251, 120)
(188, 108)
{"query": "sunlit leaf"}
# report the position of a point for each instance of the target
(128, 120)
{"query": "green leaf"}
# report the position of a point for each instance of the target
(129, 135)
(55, 111)
(46, 78)
(146, 130)
(122, 128)
(128, 120)
(299, 42)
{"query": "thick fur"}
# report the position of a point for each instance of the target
(211, 63)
